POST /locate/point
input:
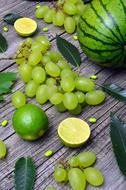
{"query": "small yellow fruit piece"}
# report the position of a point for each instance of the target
(45, 29)
(5, 29)
(4, 123)
(25, 26)
(38, 6)
(73, 132)
(48, 153)
(75, 37)
(92, 120)
(3, 149)
(94, 77)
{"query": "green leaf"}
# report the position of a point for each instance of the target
(1, 98)
(24, 174)
(3, 44)
(115, 91)
(69, 51)
(8, 76)
(11, 18)
(118, 138)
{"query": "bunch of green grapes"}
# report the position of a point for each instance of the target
(48, 77)
(64, 13)
(79, 171)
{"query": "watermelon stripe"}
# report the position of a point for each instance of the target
(112, 19)
(102, 20)
(124, 8)
(96, 39)
(93, 28)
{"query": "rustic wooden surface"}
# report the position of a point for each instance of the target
(100, 139)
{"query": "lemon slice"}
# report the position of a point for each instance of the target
(73, 132)
(25, 26)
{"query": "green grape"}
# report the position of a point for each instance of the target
(44, 41)
(70, 101)
(77, 110)
(54, 56)
(37, 46)
(40, 12)
(25, 72)
(50, 14)
(86, 159)
(68, 84)
(58, 19)
(95, 97)
(60, 107)
(28, 41)
(94, 176)
(80, 8)
(63, 64)
(38, 74)
(66, 73)
(31, 88)
(56, 98)
(51, 90)
(41, 94)
(69, 25)
(69, 8)
(35, 58)
(73, 161)
(52, 69)
(76, 19)
(50, 81)
(3, 149)
(18, 99)
(77, 179)
(20, 61)
(80, 96)
(60, 174)
(45, 59)
(84, 84)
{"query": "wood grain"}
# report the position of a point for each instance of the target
(100, 139)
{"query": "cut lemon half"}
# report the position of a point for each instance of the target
(73, 132)
(25, 26)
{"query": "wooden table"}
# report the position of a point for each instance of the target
(100, 140)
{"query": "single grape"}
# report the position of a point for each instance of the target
(95, 97)
(52, 69)
(58, 19)
(54, 56)
(76, 19)
(35, 58)
(51, 90)
(84, 84)
(25, 72)
(56, 98)
(44, 41)
(60, 174)
(50, 81)
(68, 84)
(77, 179)
(70, 101)
(86, 159)
(31, 88)
(40, 12)
(80, 96)
(38, 74)
(63, 64)
(18, 99)
(41, 94)
(50, 14)
(94, 176)
(69, 8)
(73, 161)
(45, 59)
(77, 110)
(80, 8)
(66, 73)
(60, 107)
(69, 25)
(37, 46)
(3, 149)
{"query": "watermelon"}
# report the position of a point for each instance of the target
(102, 32)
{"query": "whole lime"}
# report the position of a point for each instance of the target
(30, 122)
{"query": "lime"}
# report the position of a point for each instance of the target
(73, 132)
(30, 122)
(25, 26)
